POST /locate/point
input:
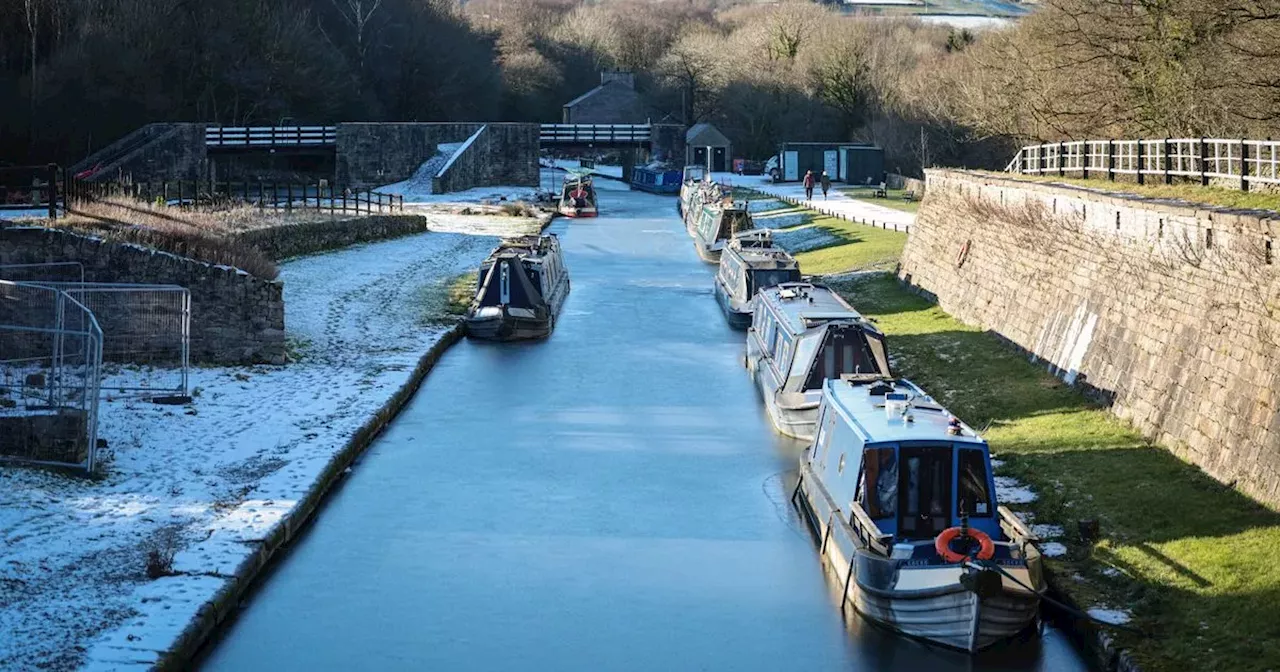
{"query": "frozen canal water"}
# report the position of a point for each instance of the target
(610, 499)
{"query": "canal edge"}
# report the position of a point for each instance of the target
(215, 613)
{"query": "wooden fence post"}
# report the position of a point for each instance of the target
(1141, 177)
(288, 196)
(1244, 165)
(1111, 160)
(1087, 149)
(262, 200)
(1168, 162)
(1204, 163)
(1062, 159)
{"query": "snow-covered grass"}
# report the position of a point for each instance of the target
(836, 204)
(805, 238)
(31, 213)
(208, 480)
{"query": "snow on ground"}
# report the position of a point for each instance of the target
(783, 220)
(30, 213)
(575, 164)
(836, 203)
(420, 184)
(209, 479)
(1112, 616)
(805, 238)
(1011, 491)
(1053, 549)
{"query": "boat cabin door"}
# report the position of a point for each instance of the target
(924, 492)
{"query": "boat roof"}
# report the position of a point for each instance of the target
(756, 249)
(523, 246)
(930, 420)
(802, 303)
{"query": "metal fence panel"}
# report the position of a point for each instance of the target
(144, 325)
(50, 371)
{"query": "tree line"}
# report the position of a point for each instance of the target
(77, 74)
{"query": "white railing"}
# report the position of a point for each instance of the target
(575, 133)
(1246, 161)
(270, 136)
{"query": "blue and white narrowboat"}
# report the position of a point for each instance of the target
(902, 496)
(749, 263)
(521, 288)
(802, 334)
(716, 225)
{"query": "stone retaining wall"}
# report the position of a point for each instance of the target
(1170, 312)
(235, 318)
(282, 242)
(372, 154)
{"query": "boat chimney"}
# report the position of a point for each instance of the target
(953, 426)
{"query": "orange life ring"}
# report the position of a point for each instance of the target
(964, 254)
(943, 544)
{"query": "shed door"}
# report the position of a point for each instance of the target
(718, 160)
(831, 161)
(791, 165)
(844, 166)
(700, 156)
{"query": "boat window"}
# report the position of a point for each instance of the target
(843, 351)
(881, 489)
(973, 496)
(925, 484)
(768, 278)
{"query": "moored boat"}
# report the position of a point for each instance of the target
(903, 498)
(521, 288)
(716, 224)
(802, 334)
(696, 191)
(749, 263)
(578, 195)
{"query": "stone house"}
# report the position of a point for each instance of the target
(614, 101)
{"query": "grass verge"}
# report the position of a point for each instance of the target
(854, 247)
(1191, 193)
(825, 245)
(1193, 561)
(894, 198)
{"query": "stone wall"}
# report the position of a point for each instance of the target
(158, 151)
(1165, 310)
(382, 153)
(282, 242)
(235, 317)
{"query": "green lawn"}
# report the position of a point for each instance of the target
(894, 198)
(1192, 193)
(859, 247)
(848, 246)
(1196, 562)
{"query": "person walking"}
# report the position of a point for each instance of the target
(808, 185)
(826, 184)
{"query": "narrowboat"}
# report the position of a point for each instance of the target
(716, 224)
(802, 334)
(750, 262)
(521, 288)
(578, 195)
(902, 496)
(695, 193)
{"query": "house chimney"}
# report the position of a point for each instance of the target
(627, 79)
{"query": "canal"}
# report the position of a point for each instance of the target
(609, 499)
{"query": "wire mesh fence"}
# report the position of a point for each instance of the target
(1243, 162)
(50, 368)
(146, 335)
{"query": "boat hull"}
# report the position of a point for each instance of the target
(737, 318)
(509, 328)
(947, 615)
(796, 421)
(576, 213)
(710, 256)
